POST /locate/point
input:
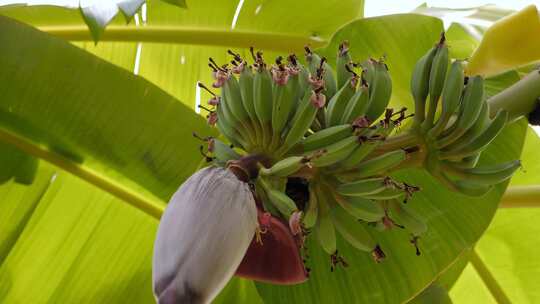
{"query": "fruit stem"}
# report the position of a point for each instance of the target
(521, 197)
(520, 99)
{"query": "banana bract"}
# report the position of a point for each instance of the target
(317, 148)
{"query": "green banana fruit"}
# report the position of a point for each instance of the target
(302, 120)
(437, 76)
(357, 105)
(481, 141)
(338, 102)
(325, 137)
(311, 212)
(451, 96)
(324, 228)
(363, 187)
(471, 108)
(360, 208)
(280, 200)
(329, 80)
(286, 166)
(284, 99)
(245, 83)
(221, 151)
(404, 215)
(377, 165)
(352, 231)
(484, 175)
(380, 90)
(342, 61)
(420, 85)
(262, 99)
(335, 152)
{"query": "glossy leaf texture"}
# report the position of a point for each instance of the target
(455, 221)
(207, 29)
(95, 114)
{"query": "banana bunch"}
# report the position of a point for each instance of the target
(332, 130)
(452, 118)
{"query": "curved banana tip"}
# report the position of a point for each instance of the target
(497, 51)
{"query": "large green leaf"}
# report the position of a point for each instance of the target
(455, 221)
(92, 112)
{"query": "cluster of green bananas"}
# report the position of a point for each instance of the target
(321, 126)
(331, 130)
(463, 129)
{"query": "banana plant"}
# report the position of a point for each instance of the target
(354, 162)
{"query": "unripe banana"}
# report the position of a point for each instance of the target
(366, 147)
(477, 128)
(245, 83)
(302, 120)
(325, 137)
(280, 200)
(467, 162)
(363, 187)
(338, 102)
(232, 100)
(324, 229)
(451, 96)
(436, 81)
(360, 208)
(357, 105)
(390, 192)
(468, 188)
(343, 59)
(471, 107)
(335, 152)
(420, 85)
(471, 188)
(221, 151)
(377, 165)
(380, 90)
(481, 141)
(262, 100)
(285, 167)
(312, 209)
(353, 231)
(404, 215)
(484, 175)
(314, 63)
(284, 102)
(225, 127)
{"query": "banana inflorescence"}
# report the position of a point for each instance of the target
(332, 131)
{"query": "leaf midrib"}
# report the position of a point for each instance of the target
(152, 208)
(189, 35)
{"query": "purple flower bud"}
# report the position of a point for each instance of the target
(220, 78)
(280, 75)
(318, 100)
(212, 118)
(202, 237)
